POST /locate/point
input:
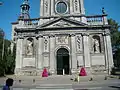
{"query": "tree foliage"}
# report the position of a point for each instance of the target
(7, 62)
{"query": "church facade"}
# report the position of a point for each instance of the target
(63, 39)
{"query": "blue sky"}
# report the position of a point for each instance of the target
(10, 11)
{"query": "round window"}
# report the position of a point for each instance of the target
(61, 7)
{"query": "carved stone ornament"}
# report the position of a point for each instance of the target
(46, 6)
(75, 4)
(46, 43)
(79, 42)
(62, 40)
(62, 24)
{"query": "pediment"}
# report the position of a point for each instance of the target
(61, 22)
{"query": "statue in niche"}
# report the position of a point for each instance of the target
(29, 47)
(78, 42)
(96, 46)
(45, 43)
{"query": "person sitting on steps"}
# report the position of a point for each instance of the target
(9, 82)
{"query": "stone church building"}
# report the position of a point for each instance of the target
(63, 39)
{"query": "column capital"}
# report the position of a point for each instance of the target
(106, 34)
(51, 35)
(20, 37)
(39, 36)
(72, 35)
(85, 34)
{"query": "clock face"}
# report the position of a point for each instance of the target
(61, 7)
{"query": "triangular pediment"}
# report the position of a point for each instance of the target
(61, 22)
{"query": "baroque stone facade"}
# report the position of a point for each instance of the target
(62, 39)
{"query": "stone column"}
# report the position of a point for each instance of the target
(52, 55)
(19, 57)
(73, 54)
(108, 51)
(86, 51)
(40, 51)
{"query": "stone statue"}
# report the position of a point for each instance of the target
(103, 11)
(29, 48)
(96, 46)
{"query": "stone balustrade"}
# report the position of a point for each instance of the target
(96, 20)
(29, 23)
(91, 20)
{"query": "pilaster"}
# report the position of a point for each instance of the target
(105, 51)
(86, 50)
(73, 53)
(40, 51)
(41, 7)
(52, 54)
(105, 20)
(46, 54)
(76, 6)
(87, 60)
(108, 52)
(52, 8)
(71, 7)
(19, 57)
(82, 7)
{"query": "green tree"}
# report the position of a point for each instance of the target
(7, 63)
(1, 50)
(10, 61)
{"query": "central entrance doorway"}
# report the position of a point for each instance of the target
(62, 61)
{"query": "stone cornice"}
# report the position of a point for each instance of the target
(62, 34)
(86, 27)
(39, 36)
(25, 29)
(15, 23)
(20, 37)
(67, 15)
(72, 35)
(52, 35)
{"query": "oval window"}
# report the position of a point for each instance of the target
(61, 7)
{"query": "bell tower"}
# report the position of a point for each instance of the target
(61, 7)
(25, 10)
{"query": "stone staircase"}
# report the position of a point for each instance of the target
(29, 71)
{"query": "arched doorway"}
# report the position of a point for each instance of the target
(62, 61)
